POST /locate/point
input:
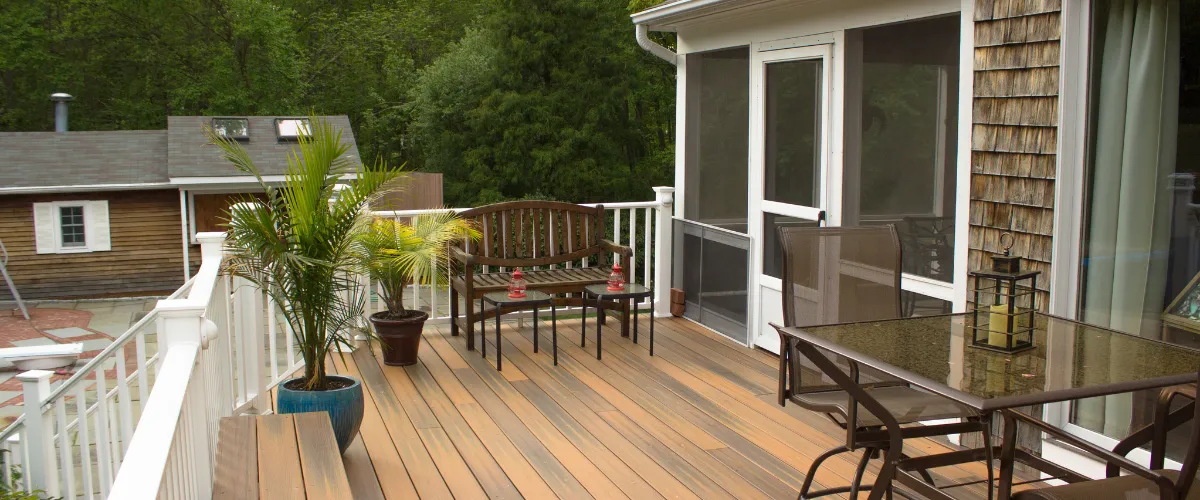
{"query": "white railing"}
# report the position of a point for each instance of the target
(643, 226)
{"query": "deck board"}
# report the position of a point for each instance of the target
(697, 420)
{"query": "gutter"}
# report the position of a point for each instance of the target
(644, 41)
(85, 188)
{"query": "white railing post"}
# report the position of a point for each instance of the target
(247, 337)
(39, 433)
(664, 197)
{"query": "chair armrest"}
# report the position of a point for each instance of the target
(1146, 434)
(1111, 458)
(609, 246)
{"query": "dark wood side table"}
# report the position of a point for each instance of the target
(602, 293)
(501, 302)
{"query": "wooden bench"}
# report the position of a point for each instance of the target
(548, 240)
(279, 456)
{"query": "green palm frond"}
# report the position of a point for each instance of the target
(396, 254)
(296, 242)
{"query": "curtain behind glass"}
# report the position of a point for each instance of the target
(1136, 63)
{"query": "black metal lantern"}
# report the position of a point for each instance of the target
(1005, 301)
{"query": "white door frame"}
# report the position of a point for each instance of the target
(818, 47)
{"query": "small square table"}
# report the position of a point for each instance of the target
(500, 301)
(602, 293)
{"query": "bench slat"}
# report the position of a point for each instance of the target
(320, 459)
(236, 473)
(279, 473)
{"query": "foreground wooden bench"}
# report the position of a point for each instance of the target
(279, 456)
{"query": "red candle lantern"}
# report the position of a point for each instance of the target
(616, 280)
(516, 288)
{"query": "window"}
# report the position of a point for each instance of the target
(232, 128)
(901, 145)
(1140, 215)
(290, 129)
(71, 227)
(717, 139)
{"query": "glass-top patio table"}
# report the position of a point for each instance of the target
(934, 353)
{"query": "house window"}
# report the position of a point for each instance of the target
(901, 145)
(290, 129)
(232, 128)
(71, 231)
(1140, 214)
(71, 227)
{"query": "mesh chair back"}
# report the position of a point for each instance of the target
(838, 275)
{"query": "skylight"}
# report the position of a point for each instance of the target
(290, 129)
(232, 128)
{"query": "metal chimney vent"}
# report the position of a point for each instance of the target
(60, 110)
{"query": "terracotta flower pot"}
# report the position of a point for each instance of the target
(400, 337)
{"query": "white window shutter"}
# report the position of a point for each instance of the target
(95, 224)
(44, 223)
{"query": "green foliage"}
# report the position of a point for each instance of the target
(505, 97)
(395, 254)
(549, 96)
(297, 243)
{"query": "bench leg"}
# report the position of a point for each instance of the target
(453, 312)
(470, 326)
(625, 317)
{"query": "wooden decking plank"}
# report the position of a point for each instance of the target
(547, 377)
(497, 396)
(279, 472)
(760, 448)
(734, 360)
(236, 472)
(617, 470)
(421, 467)
(658, 422)
(555, 474)
(766, 482)
(393, 476)
(451, 465)
(364, 484)
(490, 474)
(414, 405)
(320, 458)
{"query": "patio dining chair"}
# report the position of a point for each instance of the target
(1141, 482)
(842, 275)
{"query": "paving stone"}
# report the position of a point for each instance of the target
(5, 376)
(7, 395)
(95, 344)
(69, 332)
(33, 342)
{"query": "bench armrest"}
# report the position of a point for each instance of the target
(462, 257)
(609, 246)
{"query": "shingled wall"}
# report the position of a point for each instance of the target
(1014, 135)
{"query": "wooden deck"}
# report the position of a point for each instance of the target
(697, 420)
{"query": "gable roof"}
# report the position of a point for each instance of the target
(190, 155)
(37, 159)
(137, 159)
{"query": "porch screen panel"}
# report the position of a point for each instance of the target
(793, 132)
(902, 149)
(717, 138)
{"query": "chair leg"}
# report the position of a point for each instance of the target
(987, 444)
(858, 473)
(812, 469)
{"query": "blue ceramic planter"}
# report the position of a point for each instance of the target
(345, 407)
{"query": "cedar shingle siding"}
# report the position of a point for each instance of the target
(1014, 137)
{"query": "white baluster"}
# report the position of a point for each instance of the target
(85, 442)
(65, 454)
(646, 246)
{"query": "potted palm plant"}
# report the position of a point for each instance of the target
(296, 244)
(395, 255)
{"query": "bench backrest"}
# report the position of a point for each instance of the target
(535, 233)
